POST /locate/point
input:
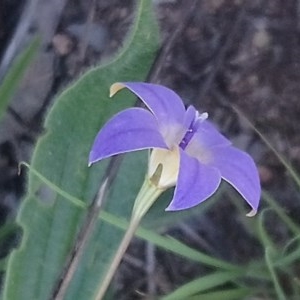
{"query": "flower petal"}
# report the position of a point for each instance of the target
(238, 169)
(189, 116)
(130, 130)
(196, 182)
(206, 138)
(209, 136)
(165, 104)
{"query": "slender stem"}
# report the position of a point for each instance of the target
(117, 259)
(278, 288)
(85, 232)
(284, 217)
(146, 197)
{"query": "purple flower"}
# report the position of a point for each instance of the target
(193, 154)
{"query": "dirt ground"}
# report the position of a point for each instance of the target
(229, 53)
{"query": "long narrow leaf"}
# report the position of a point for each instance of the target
(283, 216)
(233, 294)
(202, 284)
(166, 243)
(278, 288)
(50, 224)
(15, 74)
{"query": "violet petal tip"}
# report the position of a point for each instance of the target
(171, 208)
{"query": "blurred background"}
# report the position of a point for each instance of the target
(243, 54)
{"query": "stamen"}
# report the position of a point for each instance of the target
(203, 116)
(192, 129)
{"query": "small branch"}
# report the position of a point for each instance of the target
(83, 46)
(18, 37)
(219, 59)
(117, 259)
(84, 234)
(150, 270)
(169, 43)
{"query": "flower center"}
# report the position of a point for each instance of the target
(169, 159)
(192, 129)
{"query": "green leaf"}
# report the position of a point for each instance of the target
(288, 259)
(15, 74)
(202, 284)
(269, 262)
(232, 294)
(50, 223)
(158, 219)
(294, 227)
(166, 243)
(263, 235)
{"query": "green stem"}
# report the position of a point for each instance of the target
(116, 260)
(146, 197)
(278, 289)
(284, 217)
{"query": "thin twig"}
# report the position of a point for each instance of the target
(86, 230)
(150, 270)
(169, 43)
(18, 37)
(220, 56)
(83, 46)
